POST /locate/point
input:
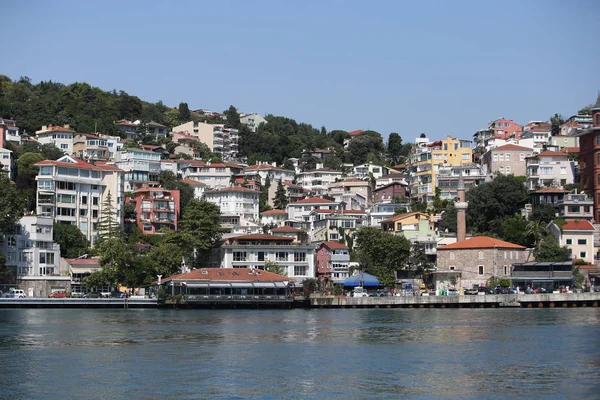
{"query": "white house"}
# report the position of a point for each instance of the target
(577, 235)
(318, 180)
(549, 168)
(252, 121)
(273, 217)
(236, 200)
(300, 210)
(61, 137)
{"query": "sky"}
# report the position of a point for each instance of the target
(438, 67)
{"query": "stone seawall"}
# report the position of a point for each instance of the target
(487, 301)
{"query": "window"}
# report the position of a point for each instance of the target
(83, 226)
(46, 258)
(95, 201)
(300, 270)
(94, 213)
(502, 170)
(239, 256)
(582, 254)
(480, 269)
(261, 256)
(500, 157)
(522, 157)
(82, 213)
(452, 267)
(455, 146)
(466, 156)
(481, 255)
(43, 229)
(300, 256)
(506, 270)
(83, 199)
(563, 170)
(12, 241)
(452, 256)
(581, 241)
(508, 170)
(281, 256)
(569, 241)
(64, 146)
(507, 157)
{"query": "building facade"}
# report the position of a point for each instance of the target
(589, 159)
(236, 200)
(507, 160)
(577, 235)
(549, 168)
(333, 262)
(156, 208)
(59, 136)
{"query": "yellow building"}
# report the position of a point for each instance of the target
(427, 157)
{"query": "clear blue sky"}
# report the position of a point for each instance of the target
(440, 67)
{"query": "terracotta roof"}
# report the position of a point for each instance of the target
(335, 245)
(549, 153)
(403, 216)
(509, 147)
(233, 189)
(260, 236)
(571, 149)
(552, 190)
(292, 185)
(83, 261)
(328, 211)
(480, 242)
(286, 229)
(356, 132)
(78, 164)
(273, 212)
(321, 170)
(577, 225)
(313, 200)
(193, 182)
(228, 274)
(52, 128)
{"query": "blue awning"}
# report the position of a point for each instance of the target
(367, 280)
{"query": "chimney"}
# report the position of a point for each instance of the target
(461, 211)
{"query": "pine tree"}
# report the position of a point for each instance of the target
(280, 201)
(108, 224)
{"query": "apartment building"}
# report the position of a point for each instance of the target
(300, 210)
(252, 121)
(317, 181)
(213, 175)
(333, 262)
(236, 200)
(549, 168)
(88, 146)
(7, 163)
(427, 158)
(589, 159)
(274, 173)
(156, 208)
(507, 160)
(220, 140)
(9, 132)
(33, 258)
(130, 128)
(447, 179)
(72, 191)
(140, 167)
(60, 136)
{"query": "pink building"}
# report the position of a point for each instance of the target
(505, 128)
(156, 208)
(333, 261)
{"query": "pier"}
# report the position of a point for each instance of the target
(33, 302)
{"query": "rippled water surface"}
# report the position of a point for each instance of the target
(300, 354)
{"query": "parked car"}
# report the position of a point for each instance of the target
(500, 290)
(92, 295)
(473, 292)
(58, 294)
(512, 290)
(360, 291)
(453, 292)
(485, 290)
(14, 294)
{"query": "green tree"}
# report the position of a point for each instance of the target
(556, 120)
(51, 152)
(171, 146)
(11, 204)
(201, 150)
(116, 259)
(72, 241)
(394, 147)
(280, 201)
(549, 250)
(232, 118)
(364, 144)
(109, 226)
(419, 207)
(449, 221)
(184, 112)
(26, 173)
(400, 210)
(545, 213)
(339, 136)
(275, 268)
(168, 257)
(513, 229)
(587, 110)
(200, 231)
(419, 262)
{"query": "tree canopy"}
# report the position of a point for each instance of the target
(72, 241)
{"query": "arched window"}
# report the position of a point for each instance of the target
(452, 256)
(481, 255)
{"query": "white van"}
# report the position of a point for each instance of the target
(15, 294)
(360, 291)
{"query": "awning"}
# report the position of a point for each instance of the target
(367, 280)
(220, 285)
(264, 285)
(197, 285)
(242, 285)
(280, 285)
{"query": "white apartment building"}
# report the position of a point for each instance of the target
(300, 210)
(213, 175)
(236, 200)
(318, 180)
(252, 121)
(220, 140)
(273, 217)
(274, 173)
(549, 168)
(298, 260)
(578, 236)
(9, 131)
(61, 137)
(73, 191)
(115, 146)
(34, 257)
(355, 193)
(7, 162)
(141, 167)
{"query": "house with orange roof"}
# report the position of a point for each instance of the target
(73, 191)
(235, 200)
(507, 160)
(274, 173)
(88, 146)
(214, 175)
(273, 217)
(256, 250)
(549, 168)
(577, 235)
(300, 210)
(472, 262)
(297, 234)
(353, 192)
(199, 187)
(60, 136)
(332, 262)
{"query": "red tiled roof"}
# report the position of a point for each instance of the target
(260, 236)
(292, 185)
(480, 242)
(286, 229)
(328, 211)
(228, 274)
(234, 189)
(193, 182)
(577, 225)
(403, 216)
(52, 128)
(313, 200)
(549, 153)
(83, 261)
(509, 147)
(273, 212)
(356, 132)
(78, 164)
(335, 245)
(571, 149)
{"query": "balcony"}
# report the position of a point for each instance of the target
(339, 258)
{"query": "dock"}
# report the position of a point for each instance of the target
(33, 302)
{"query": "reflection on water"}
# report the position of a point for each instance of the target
(546, 353)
